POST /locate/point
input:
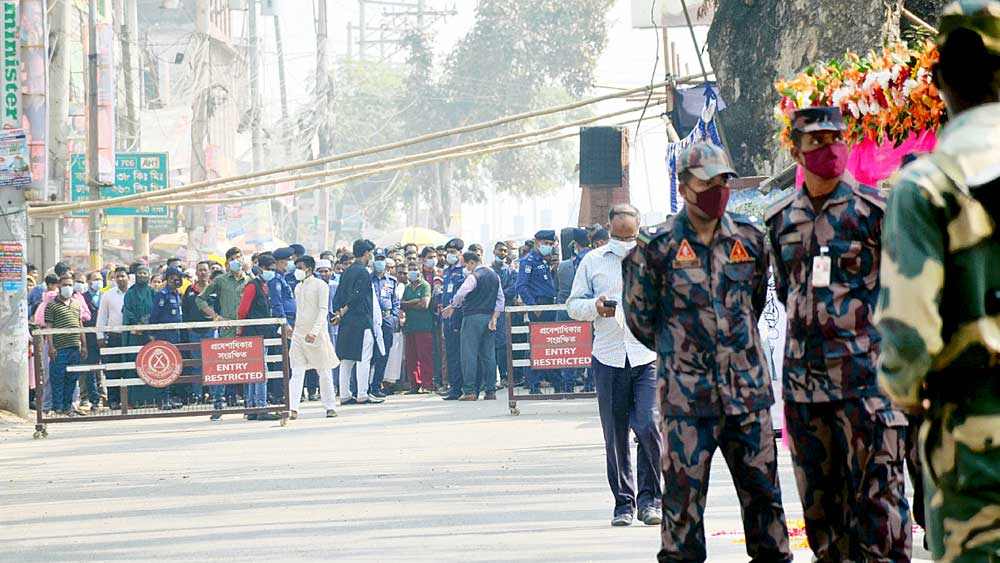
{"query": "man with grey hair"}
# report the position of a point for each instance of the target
(624, 371)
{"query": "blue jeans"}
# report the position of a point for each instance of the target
(64, 383)
(195, 336)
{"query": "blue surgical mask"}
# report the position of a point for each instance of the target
(544, 249)
(267, 275)
(379, 267)
(451, 259)
(431, 262)
(289, 267)
(235, 266)
(498, 259)
(66, 292)
(412, 276)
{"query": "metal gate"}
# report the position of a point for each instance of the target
(113, 360)
(524, 349)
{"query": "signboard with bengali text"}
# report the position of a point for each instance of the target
(232, 361)
(135, 173)
(561, 345)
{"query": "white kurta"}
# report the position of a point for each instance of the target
(312, 305)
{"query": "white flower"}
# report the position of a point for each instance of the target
(839, 94)
(863, 106)
(909, 86)
(855, 111)
(803, 101)
(883, 78)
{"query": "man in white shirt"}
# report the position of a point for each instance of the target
(109, 313)
(624, 371)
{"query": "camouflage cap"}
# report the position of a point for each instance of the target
(705, 161)
(980, 16)
(809, 120)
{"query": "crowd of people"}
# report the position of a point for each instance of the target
(415, 319)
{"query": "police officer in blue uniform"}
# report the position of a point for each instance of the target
(166, 310)
(282, 298)
(385, 288)
(454, 276)
(536, 286)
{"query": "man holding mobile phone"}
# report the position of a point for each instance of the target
(624, 372)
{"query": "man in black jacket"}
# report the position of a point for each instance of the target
(357, 338)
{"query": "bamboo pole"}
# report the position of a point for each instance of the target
(363, 175)
(170, 199)
(914, 18)
(83, 206)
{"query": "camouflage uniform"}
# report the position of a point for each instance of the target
(698, 307)
(939, 314)
(846, 440)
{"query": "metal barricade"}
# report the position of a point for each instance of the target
(522, 347)
(130, 409)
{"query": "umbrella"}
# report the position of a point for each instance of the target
(169, 243)
(416, 235)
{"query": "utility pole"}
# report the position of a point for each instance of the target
(282, 85)
(255, 109)
(129, 139)
(324, 94)
(361, 30)
(93, 158)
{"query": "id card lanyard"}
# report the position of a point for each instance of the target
(822, 265)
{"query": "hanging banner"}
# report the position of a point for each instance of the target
(705, 130)
(10, 78)
(15, 167)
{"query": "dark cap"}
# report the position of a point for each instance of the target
(298, 249)
(455, 243)
(380, 254)
(171, 271)
(810, 120)
(283, 253)
(600, 234)
(581, 237)
(546, 234)
(979, 16)
(266, 260)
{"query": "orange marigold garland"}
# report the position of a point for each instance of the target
(885, 97)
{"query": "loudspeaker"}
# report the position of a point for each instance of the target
(603, 155)
(566, 241)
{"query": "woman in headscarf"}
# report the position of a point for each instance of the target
(137, 305)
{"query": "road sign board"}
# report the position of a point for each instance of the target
(231, 361)
(135, 173)
(159, 364)
(561, 345)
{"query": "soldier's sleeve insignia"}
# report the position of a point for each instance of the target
(527, 269)
(739, 253)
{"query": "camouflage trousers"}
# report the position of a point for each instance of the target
(848, 457)
(960, 446)
(747, 444)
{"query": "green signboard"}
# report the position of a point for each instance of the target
(135, 173)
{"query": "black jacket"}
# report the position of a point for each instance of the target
(354, 291)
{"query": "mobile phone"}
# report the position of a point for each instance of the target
(611, 303)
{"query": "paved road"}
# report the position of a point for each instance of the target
(417, 479)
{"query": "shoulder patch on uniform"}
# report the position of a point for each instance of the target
(778, 206)
(649, 234)
(527, 269)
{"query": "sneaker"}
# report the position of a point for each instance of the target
(377, 394)
(490, 396)
(650, 516)
(293, 415)
(330, 413)
(469, 397)
(622, 520)
(314, 397)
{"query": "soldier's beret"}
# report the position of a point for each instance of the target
(298, 249)
(283, 254)
(455, 243)
(546, 234)
(171, 271)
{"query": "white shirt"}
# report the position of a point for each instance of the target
(109, 313)
(600, 273)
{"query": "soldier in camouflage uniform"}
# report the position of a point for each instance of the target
(694, 294)
(939, 311)
(846, 440)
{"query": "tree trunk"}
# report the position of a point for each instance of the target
(754, 43)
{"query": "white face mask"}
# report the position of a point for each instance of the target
(300, 275)
(66, 292)
(96, 285)
(80, 287)
(621, 248)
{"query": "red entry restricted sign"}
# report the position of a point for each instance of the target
(561, 345)
(231, 361)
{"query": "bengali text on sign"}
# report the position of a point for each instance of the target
(232, 361)
(561, 345)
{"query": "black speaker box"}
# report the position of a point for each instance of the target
(601, 159)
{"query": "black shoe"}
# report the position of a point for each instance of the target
(377, 394)
(215, 417)
(346, 402)
(330, 413)
(452, 397)
(372, 401)
(268, 416)
(252, 416)
(314, 397)
(537, 392)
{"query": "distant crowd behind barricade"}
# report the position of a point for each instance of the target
(419, 291)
